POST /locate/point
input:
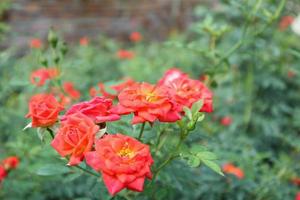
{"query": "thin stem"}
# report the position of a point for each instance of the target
(170, 158)
(51, 132)
(87, 171)
(142, 131)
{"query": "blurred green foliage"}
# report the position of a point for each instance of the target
(248, 61)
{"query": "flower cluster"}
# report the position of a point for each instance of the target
(7, 165)
(123, 161)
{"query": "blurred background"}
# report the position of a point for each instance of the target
(246, 51)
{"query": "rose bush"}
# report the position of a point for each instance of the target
(238, 51)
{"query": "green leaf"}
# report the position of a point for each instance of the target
(201, 117)
(214, 166)
(41, 133)
(52, 169)
(206, 155)
(193, 161)
(197, 106)
(188, 112)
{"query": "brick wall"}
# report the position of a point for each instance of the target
(117, 18)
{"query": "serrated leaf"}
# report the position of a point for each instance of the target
(193, 161)
(206, 155)
(214, 166)
(52, 169)
(197, 148)
(197, 106)
(188, 112)
(201, 117)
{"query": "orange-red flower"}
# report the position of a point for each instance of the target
(125, 54)
(97, 109)
(105, 93)
(10, 162)
(71, 91)
(229, 168)
(121, 86)
(40, 76)
(43, 110)
(148, 103)
(291, 73)
(3, 173)
(75, 137)
(285, 22)
(187, 91)
(135, 37)
(84, 41)
(93, 92)
(35, 43)
(226, 121)
(123, 161)
(297, 196)
(296, 181)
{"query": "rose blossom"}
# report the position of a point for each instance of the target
(84, 41)
(187, 91)
(75, 137)
(10, 162)
(229, 168)
(35, 43)
(3, 173)
(148, 103)
(226, 121)
(125, 54)
(71, 91)
(40, 76)
(43, 110)
(135, 37)
(123, 161)
(97, 109)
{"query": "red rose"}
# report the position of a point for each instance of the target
(75, 137)
(121, 86)
(285, 22)
(84, 41)
(71, 91)
(297, 196)
(93, 92)
(171, 75)
(296, 181)
(10, 162)
(97, 109)
(187, 91)
(3, 173)
(40, 76)
(105, 93)
(232, 169)
(226, 121)
(125, 54)
(123, 161)
(148, 103)
(135, 37)
(43, 110)
(35, 43)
